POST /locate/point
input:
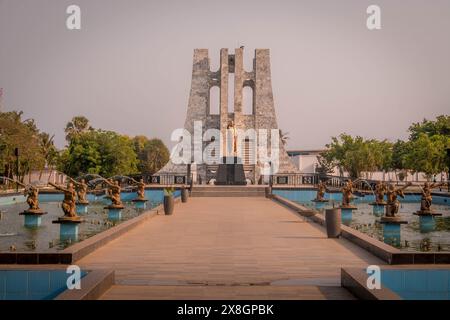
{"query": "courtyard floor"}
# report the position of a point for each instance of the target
(228, 248)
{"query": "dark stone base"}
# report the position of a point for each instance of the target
(139, 200)
(392, 220)
(348, 207)
(320, 200)
(62, 220)
(112, 206)
(230, 172)
(427, 213)
(33, 212)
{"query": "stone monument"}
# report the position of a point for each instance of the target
(262, 116)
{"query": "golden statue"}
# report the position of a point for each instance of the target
(33, 198)
(347, 194)
(82, 189)
(425, 202)
(114, 192)
(321, 189)
(380, 191)
(392, 202)
(141, 189)
(32, 194)
(231, 130)
(68, 204)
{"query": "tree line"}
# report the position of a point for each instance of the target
(425, 151)
(88, 150)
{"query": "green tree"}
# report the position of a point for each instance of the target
(440, 126)
(427, 154)
(99, 152)
(350, 154)
(76, 126)
(22, 134)
(155, 155)
(356, 155)
(48, 150)
(325, 166)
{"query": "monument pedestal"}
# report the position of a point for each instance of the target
(68, 228)
(230, 172)
(427, 221)
(140, 203)
(378, 208)
(82, 207)
(33, 217)
(347, 214)
(320, 203)
(391, 230)
(115, 212)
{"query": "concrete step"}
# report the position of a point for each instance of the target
(228, 188)
(226, 194)
(228, 191)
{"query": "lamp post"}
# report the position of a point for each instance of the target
(16, 153)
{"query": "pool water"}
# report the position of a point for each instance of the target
(33, 284)
(420, 284)
(46, 237)
(413, 237)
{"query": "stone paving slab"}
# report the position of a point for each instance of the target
(227, 242)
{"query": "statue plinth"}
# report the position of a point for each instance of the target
(347, 213)
(68, 228)
(140, 203)
(33, 217)
(392, 230)
(115, 211)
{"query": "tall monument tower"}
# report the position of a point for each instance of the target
(261, 116)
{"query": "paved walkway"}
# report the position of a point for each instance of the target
(228, 248)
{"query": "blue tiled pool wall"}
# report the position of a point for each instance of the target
(32, 285)
(156, 196)
(418, 284)
(305, 196)
(11, 199)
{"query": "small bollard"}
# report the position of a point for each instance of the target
(268, 192)
(184, 195)
(333, 222)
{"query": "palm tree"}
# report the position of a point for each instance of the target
(284, 137)
(47, 148)
(76, 126)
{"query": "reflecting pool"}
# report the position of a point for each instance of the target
(14, 236)
(418, 235)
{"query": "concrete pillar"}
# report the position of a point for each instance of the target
(199, 96)
(223, 96)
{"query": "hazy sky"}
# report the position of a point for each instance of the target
(129, 68)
